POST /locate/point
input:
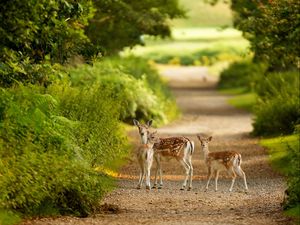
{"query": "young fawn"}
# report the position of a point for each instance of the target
(216, 161)
(145, 159)
(180, 148)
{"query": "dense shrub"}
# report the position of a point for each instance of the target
(278, 109)
(50, 142)
(241, 74)
(144, 94)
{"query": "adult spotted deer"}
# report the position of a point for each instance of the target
(145, 159)
(180, 148)
(226, 160)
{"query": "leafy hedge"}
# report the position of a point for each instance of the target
(144, 95)
(50, 142)
(278, 108)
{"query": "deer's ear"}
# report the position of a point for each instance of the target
(135, 122)
(199, 137)
(209, 139)
(149, 123)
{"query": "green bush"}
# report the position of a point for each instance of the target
(144, 95)
(241, 74)
(51, 140)
(277, 110)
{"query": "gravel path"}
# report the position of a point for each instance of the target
(204, 111)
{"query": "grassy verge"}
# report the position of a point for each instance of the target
(244, 101)
(279, 151)
(283, 161)
(241, 99)
(8, 217)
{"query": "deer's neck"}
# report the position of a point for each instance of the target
(206, 152)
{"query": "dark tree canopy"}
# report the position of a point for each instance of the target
(121, 23)
(34, 35)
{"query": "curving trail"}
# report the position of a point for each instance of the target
(204, 110)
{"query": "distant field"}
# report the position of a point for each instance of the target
(194, 46)
(189, 40)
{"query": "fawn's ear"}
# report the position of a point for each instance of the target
(209, 139)
(135, 122)
(149, 123)
(199, 137)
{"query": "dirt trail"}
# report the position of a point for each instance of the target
(204, 111)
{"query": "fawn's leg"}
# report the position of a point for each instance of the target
(187, 172)
(216, 179)
(209, 176)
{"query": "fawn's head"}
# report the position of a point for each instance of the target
(143, 129)
(152, 137)
(204, 141)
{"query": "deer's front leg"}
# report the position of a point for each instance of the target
(216, 179)
(158, 172)
(209, 176)
(141, 178)
(233, 180)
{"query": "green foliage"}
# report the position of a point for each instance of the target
(284, 156)
(142, 93)
(18, 68)
(277, 110)
(46, 28)
(242, 74)
(119, 24)
(50, 142)
(272, 27)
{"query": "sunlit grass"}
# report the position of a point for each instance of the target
(8, 217)
(244, 101)
(242, 98)
(278, 151)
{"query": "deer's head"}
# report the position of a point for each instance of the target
(143, 130)
(204, 141)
